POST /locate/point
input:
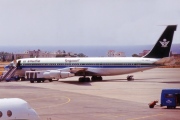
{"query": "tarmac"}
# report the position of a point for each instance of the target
(114, 98)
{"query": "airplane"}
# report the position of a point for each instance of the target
(96, 67)
(16, 109)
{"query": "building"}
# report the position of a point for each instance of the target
(39, 54)
(113, 53)
(35, 54)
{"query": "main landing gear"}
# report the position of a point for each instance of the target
(87, 79)
(130, 77)
(84, 79)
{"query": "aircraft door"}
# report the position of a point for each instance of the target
(18, 65)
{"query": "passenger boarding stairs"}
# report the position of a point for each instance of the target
(9, 73)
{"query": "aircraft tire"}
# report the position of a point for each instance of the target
(84, 79)
(50, 80)
(81, 79)
(38, 81)
(31, 81)
(100, 78)
(87, 79)
(130, 78)
(93, 78)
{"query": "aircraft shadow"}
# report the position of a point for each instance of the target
(175, 82)
(125, 80)
(77, 83)
(117, 80)
(113, 80)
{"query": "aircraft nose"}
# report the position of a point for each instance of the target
(33, 115)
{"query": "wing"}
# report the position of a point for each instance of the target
(81, 71)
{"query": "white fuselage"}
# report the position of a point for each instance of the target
(103, 66)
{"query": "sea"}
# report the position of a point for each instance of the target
(90, 51)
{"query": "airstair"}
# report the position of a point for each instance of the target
(9, 73)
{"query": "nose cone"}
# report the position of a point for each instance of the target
(33, 115)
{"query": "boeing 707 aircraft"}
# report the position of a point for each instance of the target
(96, 67)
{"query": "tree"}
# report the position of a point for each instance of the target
(81, 55)
(135, 55)
(3, 56)
(60, 55)
(12, 56)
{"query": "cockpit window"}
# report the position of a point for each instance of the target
(9, 113)
(1, 114)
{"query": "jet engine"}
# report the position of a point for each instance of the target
(57, 74)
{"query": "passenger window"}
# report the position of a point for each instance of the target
(1, 114)
(9, 113)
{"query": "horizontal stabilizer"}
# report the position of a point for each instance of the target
(166, 61)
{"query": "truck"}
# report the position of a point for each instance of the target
(37, 76)
(170, 98)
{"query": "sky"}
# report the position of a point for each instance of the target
(86, 22)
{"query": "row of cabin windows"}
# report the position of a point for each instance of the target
(84, 64)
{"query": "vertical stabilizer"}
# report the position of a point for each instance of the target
(163, 45)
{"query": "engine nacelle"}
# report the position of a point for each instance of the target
(57, 74)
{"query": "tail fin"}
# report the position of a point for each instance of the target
(163, 45)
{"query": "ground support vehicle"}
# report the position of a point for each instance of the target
(170, 98)
(37, 76)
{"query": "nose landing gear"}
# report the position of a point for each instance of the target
(130, 77)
